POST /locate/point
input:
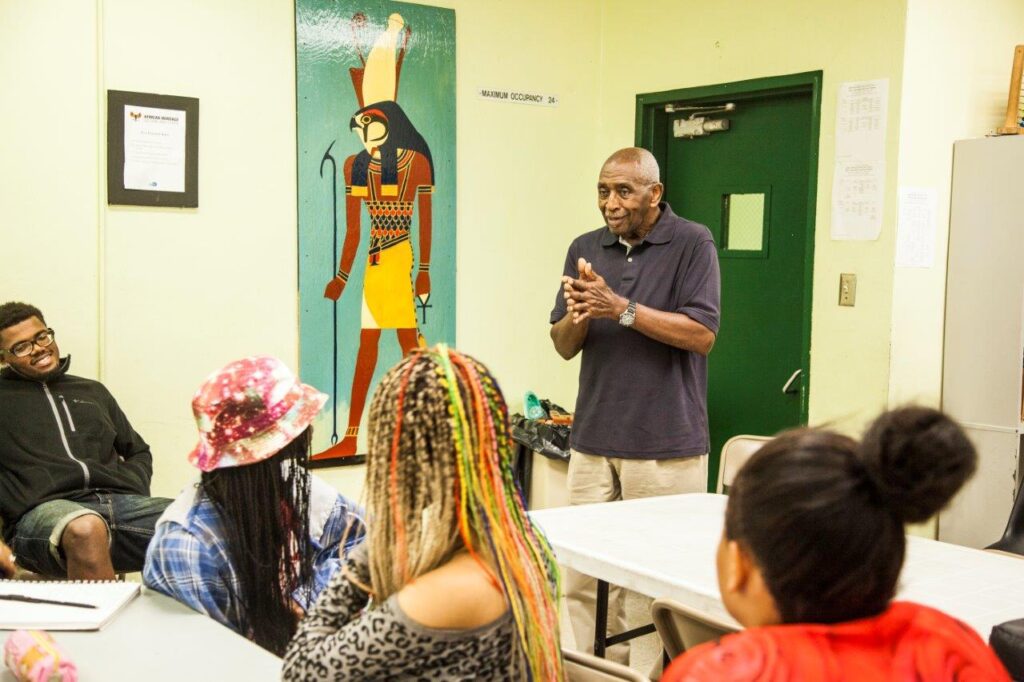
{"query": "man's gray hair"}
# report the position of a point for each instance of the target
(646, 164)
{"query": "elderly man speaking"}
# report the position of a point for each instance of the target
(640, 299)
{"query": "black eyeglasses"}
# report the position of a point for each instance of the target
(24, 348)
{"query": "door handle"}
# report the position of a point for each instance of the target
(789, 384)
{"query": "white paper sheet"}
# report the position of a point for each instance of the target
(915, 231)
(154, 149)
(857, 187)
(105, 597)
(858, 179)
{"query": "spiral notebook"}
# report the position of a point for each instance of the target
(85, 605)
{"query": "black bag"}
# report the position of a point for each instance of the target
(1007, 640)
(550, 440)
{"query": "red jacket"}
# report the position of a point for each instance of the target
(907, 643)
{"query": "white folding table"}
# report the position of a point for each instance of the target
(156, 638)
(665, 547)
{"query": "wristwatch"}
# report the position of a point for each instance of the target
(627, 318)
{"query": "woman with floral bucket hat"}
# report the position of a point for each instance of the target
(254, 541)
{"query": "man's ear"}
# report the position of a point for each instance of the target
(657, 192)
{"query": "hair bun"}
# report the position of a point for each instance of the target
(917, 458)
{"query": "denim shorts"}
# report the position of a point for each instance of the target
(129, 519)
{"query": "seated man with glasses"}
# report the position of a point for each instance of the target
(74, 474)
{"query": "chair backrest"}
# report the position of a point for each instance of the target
(1007, 640)
(1013, 537)
(682, 628)
(580, 667)
(735, 453)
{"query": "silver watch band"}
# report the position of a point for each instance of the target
(628, 317)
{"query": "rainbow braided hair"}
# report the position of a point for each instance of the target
(439, 481)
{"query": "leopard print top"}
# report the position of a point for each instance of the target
(340, 639)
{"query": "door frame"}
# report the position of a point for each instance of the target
(652, 128)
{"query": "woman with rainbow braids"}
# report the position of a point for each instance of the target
(453, 581)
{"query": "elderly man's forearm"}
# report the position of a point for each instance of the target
(674, 329)
(568, 337)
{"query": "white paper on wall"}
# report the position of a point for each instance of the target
(915, 229)
(858, 178)
(154, 149)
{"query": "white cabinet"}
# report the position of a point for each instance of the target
(984, 333)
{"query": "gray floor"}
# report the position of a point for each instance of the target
(645, 652)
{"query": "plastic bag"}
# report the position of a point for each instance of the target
(550, 440)
(33, 656)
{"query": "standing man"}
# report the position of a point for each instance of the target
(74, 474)
(640, 298)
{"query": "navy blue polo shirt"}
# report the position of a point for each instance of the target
(640, 398)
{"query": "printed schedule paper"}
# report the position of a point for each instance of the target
(858, 178)
(915, 231)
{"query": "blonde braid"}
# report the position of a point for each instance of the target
(439, 480)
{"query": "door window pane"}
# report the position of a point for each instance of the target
(744, 222)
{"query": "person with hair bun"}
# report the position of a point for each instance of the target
(812, 549)
(453, 582)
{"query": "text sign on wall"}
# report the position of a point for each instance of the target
(517, 96)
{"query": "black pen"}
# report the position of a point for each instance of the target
(37, 600)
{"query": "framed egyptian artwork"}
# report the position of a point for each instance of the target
(375, 88)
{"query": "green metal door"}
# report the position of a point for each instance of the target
(753, 186)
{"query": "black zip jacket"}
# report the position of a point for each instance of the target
(62, 438)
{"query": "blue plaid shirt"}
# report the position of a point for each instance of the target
(190, 562)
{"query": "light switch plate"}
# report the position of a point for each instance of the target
(847, 288)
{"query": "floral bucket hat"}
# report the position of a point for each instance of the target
(249, 410)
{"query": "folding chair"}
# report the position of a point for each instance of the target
(682, 628)
(580, 667)
(735, 453)
(1012, 541)
(1007, 640)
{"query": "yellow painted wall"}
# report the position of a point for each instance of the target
(526, 177)
(664, 45)
(48, 167)
(956, 73)
(188, 290)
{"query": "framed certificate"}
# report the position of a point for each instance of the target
(152, 149)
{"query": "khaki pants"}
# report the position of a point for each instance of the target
(605, 479)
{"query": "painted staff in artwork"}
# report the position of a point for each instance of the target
(394, 177)
(334, 259)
